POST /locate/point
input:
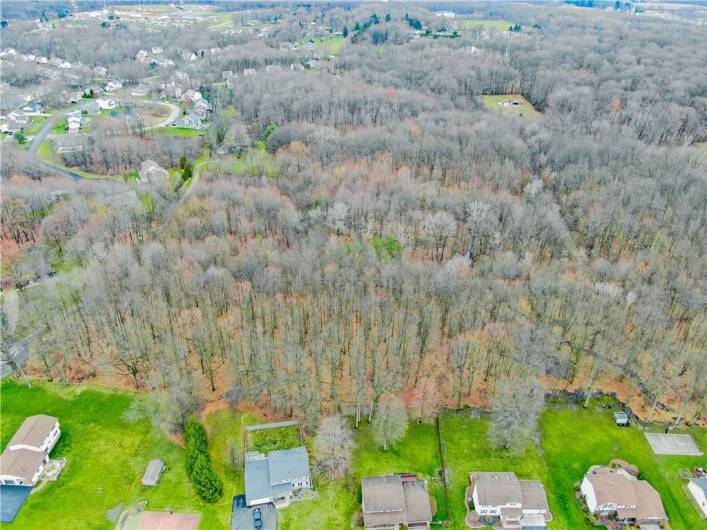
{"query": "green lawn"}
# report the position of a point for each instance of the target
(503, 104)
(467, 449)
(275, 439)
(178, 131)
(36, 125)
(484, 24)
(573, 439)
(106, 454)
(59, 127)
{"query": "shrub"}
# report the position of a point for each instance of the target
(208, 486)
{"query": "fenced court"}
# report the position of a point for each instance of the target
(168, 521)
(673, 444)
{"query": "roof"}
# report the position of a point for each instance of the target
(288, 464)
(641, 500)
(390, 500)
(497, 488)
(257, 479)
(153, 472)
(417, 501)
(533, 494)
(22, 463)
(700, 483)
(34, 431)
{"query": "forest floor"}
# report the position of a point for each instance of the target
(108, 439)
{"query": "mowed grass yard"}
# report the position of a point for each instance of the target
(108, 443)
(573, 439)
(503, 104)
(106, 456)
(484, 24)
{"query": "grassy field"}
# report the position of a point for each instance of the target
(106, 455)
(573, 439)
(178, 131)
(108, 442)
(484, 24)
(274, 439)
(504, 104)
(36, 125)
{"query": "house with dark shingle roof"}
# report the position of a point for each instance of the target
(391, 501)
(276, 476)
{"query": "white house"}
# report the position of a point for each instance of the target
(698, 489)
(514, 503)
(74, 124)
(27, 452)
(106, 104)
(191, 96)
(113, 85)
(37, 433)
(616, 493)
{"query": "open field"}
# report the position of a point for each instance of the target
(177, 131)
(484, 24)
(108, 440)
(510, 105)
(107, 454)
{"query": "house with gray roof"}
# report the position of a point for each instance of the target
(391, 501)
(276, 476)
(698, 489)
(501, 498)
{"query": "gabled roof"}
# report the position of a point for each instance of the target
(497, 488)
(21, 463)
(392, 500)
(33, 431)
(288, 464)
(700, 483)
(257, 479)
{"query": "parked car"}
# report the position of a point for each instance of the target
(257, 519)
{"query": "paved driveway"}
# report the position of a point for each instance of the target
(242, 515)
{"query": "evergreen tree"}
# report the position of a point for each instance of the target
(208, 486)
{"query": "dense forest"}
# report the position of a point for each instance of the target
(376, 229)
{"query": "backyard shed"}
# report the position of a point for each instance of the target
(153, 472)
(621, 418)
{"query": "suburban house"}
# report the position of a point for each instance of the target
(152, 173)
(275, 477)
(106, 104)
(190, 121)
(502, 498)
(27, 452)
(74, 124)
(32, 108)
(191, 96)
(391, 501)
(113, 85)
(616, 493)
(698, 489)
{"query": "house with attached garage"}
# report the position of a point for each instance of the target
(392, 501)
(275, 477)
(501, 498)
(27, 452)
(616, 494)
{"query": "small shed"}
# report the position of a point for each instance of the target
(621, 418)
(153, 472)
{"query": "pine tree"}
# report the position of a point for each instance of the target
(208, 486)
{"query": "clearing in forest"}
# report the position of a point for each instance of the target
(510, 105)
(484, 24)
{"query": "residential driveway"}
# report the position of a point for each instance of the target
(173, 115)
(242, 515)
